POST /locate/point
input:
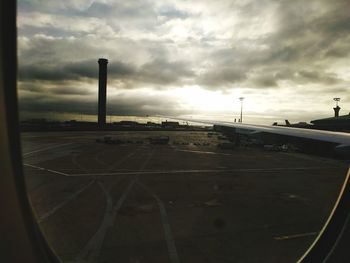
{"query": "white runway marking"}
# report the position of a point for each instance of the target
(203, 152)
(296, 236)
(44, 169)
(59, 206)
(113, 165)
(76, 163)
(166, 226)
(91, 252)
(263, 170)
(47, 148)
(97, 157)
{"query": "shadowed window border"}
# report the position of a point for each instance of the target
(21, 239)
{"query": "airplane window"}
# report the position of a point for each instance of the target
(176, 131)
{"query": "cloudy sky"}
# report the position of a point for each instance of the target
(289, 59)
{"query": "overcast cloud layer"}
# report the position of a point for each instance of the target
(287, 58)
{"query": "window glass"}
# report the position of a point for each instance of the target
(117, 165)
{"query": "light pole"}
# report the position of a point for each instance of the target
(241, 99)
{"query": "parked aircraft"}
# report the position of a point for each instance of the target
(295, 125)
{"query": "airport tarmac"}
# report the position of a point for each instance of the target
(187, 201)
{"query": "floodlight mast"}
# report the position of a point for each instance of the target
(241, 99)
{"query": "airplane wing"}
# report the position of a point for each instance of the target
(340, 138)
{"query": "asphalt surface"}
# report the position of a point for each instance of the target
(187, 201)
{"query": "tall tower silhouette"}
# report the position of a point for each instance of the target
(337, 108)
(336, 111)
(102, 90)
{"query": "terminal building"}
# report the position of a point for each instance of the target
(336, 123)
(170, 124)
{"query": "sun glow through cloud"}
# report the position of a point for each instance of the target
(287, 58)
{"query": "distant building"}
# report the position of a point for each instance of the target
(170, 124)
(127, 123)
(152, 124)
(71, 121)
(336, 123)
(340, 123)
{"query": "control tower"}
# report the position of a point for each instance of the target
(102, 91)
(337, 108)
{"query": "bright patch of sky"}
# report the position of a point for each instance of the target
(289, 59)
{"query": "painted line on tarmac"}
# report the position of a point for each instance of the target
(203, 152)
(206, 171)
(112, 166)
(97, 157)
(75, 161)
(44, 169)
(180, 171)
(296, 236)
(174, 257)
(47, 148)
(59, 206)
(77, 164)
(91, 252)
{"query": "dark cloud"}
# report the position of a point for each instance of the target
(300, 49)
(308, 30)
(144, 104)
(31, 87)
(270, 77)
(66, 90)
(47, 102)
(215, 78)
(157, 72)
(38, 72)
(71, 71)
(164, 44)
(338, 51)
(164, 72)
(318, 77)
(121, 105)
(265, 81)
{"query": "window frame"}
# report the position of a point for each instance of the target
(21, 238)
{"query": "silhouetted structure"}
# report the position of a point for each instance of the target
(336, 123)
(337, 108)
(241, 99)
(170, 124)
(336, 111)
(102, 90)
